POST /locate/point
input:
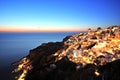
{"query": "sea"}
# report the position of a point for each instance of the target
(14, 46)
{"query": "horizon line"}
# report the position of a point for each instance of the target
(41, 29)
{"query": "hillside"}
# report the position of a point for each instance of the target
(93, 55)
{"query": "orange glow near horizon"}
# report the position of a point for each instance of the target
(40, 29)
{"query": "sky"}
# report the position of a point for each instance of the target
(57, 15)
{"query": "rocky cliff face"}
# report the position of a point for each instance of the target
(93, 55)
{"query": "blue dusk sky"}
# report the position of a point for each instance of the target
(55, 15)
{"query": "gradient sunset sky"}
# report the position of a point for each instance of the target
(57, 15)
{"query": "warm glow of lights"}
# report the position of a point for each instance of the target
(22, 76)
(97, 73)
(79, 49)
(40, 29)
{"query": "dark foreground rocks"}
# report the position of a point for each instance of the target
(93, 55)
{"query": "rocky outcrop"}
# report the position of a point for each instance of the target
(93, 55)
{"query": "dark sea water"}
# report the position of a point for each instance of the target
(14, 46)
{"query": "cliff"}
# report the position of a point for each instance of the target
(93, 55)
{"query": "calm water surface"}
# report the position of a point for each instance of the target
(14, 46)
